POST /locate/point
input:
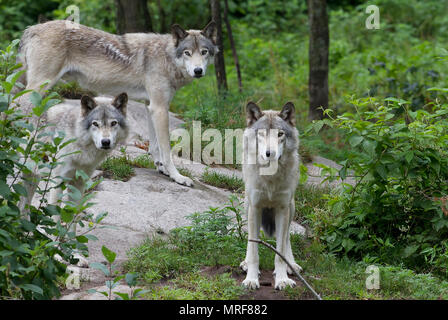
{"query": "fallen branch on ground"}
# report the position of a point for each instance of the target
(318, 297)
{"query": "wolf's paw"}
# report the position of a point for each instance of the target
(180, 179)
(243, 265)
(282, 283)
(82, 262)
(251, 283)
(161, 168)
(296, 267)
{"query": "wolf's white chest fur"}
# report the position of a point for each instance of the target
(272, 190)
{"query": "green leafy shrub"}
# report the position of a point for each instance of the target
(29, 240)
(397, 208)
(114, 278)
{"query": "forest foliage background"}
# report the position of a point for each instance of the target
(387, 92)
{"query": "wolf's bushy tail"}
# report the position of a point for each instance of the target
(268, 221)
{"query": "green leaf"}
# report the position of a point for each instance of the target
(100, 266)
(303, 174)
(123, 296)
(317, 126)
(6, 253)
(36, 99)
(100, 216)
(4, 189)
(20, 189)
(108, 254)
(74, 193)
(21, 93)
(82, 239)
(27, 225)
(66, 216)
(111, 284)
(31, 287)
(369, 146)
(348, 244)
(435, 165)
(139, 292)
(131, 279)
(355, 140)
(343, 173)
(410, 250)
(81, 174)
(5, 234)
(381, 170)
(7, 86)
(12, 78)
(409, 155)
(91, 237)
(3, 104)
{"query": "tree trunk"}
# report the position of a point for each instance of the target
(164, 28)
(232, 45)
(132, 16)
(219, 58)
(318, 58)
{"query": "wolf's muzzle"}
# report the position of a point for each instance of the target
(105, 143)
(198, 72)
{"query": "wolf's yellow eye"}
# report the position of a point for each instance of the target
(95, 124)
(204, 52)
(113, 123)
(187, 53)
(280, 134)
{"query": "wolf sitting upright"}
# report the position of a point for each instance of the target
(271, 175)
(147, 66)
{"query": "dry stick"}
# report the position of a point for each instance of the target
(232, 45)
(318, 297)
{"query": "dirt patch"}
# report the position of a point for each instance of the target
(266, 290)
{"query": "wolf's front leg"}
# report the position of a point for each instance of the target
(154, 149)
(158, 112)
(289, 255)
(30, 183)
(251, 262)
(282, 235)
(56, 194)
(80, 185)
(54, 197)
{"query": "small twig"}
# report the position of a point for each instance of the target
(318, 297)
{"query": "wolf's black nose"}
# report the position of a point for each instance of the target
(198, 71)
(268, 153)
(105, 143)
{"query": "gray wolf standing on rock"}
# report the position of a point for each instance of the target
(147, 66)
(270, 138)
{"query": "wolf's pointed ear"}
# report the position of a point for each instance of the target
(288, 113)
(211, 31)
(253, 113)
(120, 102)
(178, 33)
(87, 105)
